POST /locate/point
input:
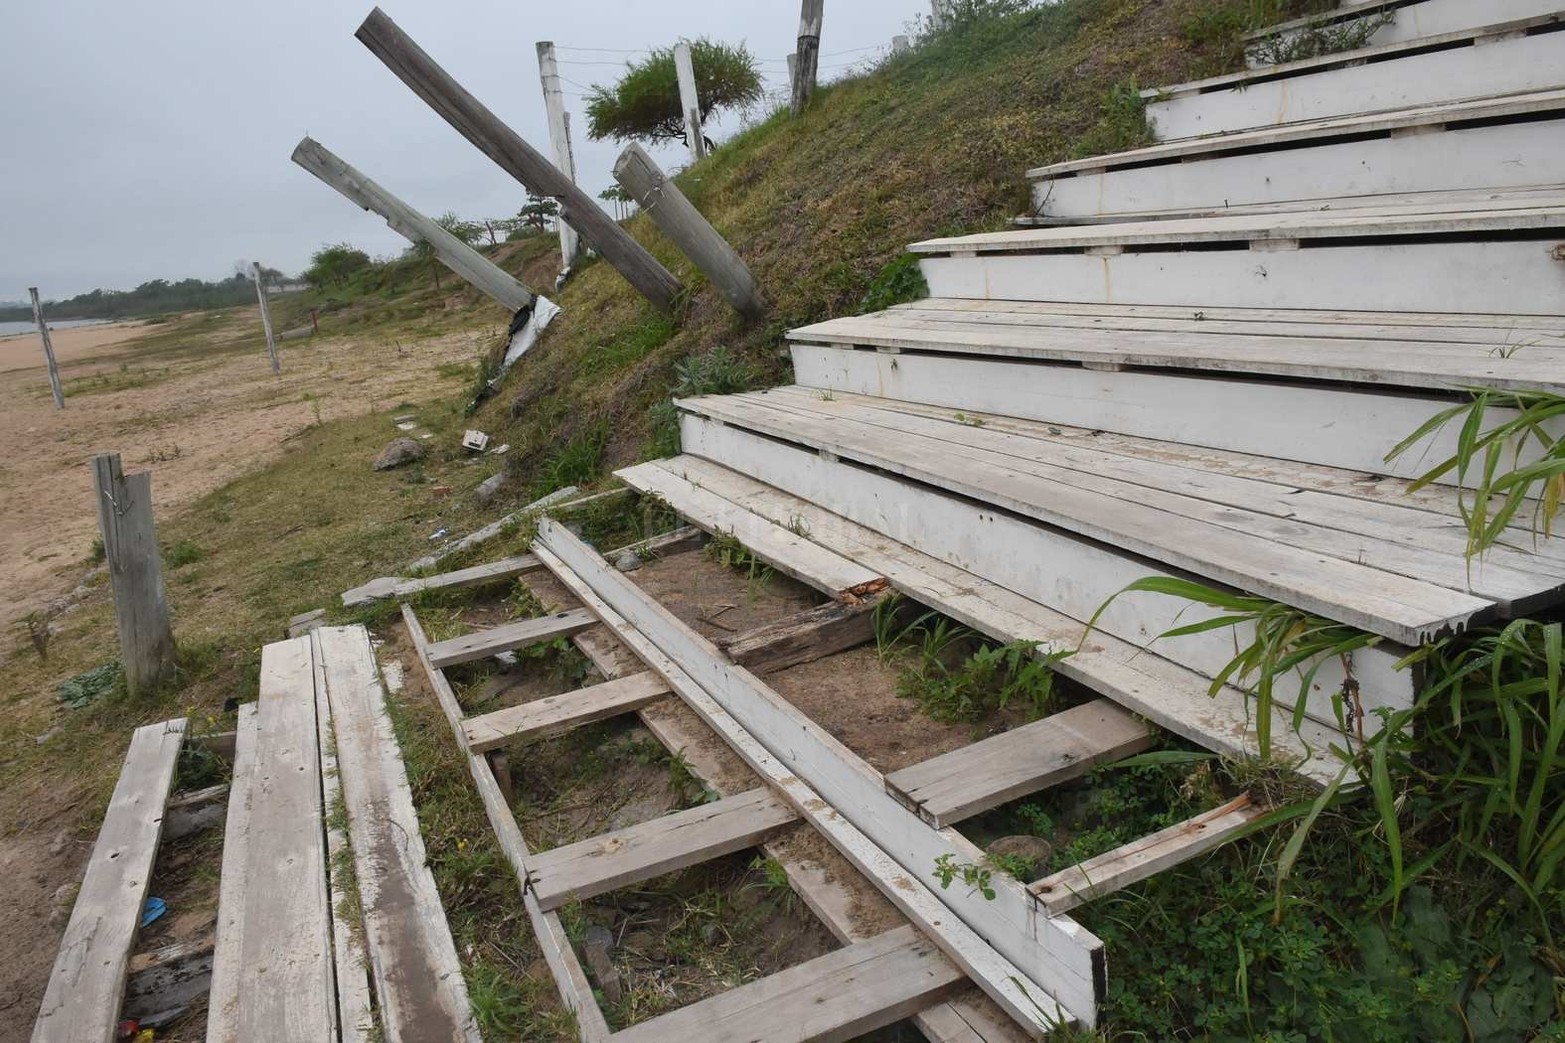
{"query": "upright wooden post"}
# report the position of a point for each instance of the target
(130, 548)
(48, 349)
(467, 262)
(900, 45)
(559, 140)
(266, 316)
(516, 157)
(809, 55)
(682, 222)
(793, 70)
(689, 100)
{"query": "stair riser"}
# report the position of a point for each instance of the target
(1511, 155)
(1437, 17)
(1504, 66)
(1067, 574)
(1496, 276)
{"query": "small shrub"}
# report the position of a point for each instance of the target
(1319, 38)
(899, 282)
(182, 553)
(718, 372)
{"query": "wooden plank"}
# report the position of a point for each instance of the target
(789, 552)
(168, 979)
(629, 856)
(350, 964)
(223, 1001)
(559, 713)
(1005, 949)
(1407, 611)
(82, 1000)
(839, 996)
(286, 961)
(495, 528)
(953, 786)
(403, 587)
(509, 636)
(571, 981)
(1412, 19)
(1145, 682)
(1146, 857)
(802, 637)
(419, 987)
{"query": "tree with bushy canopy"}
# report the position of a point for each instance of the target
(335, 264)
(644, 104)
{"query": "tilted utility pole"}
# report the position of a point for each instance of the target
(48, 349)
(809, 53)
(266, 316)
(559, 141)
(689, 100)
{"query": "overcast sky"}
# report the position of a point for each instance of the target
(151, 140)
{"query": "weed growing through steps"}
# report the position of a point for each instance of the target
(899, 282)
(719, 372)
(725, 549)
(1218, 29)
(1320, 37)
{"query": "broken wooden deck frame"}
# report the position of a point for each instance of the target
(506, 637)
(1007, 950)
(516, 157)
(413, 226)
(558, 713)
(661, 199)
(81, 1003)
(403, 587)
(570, 979)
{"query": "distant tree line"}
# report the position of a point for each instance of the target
(154, 297)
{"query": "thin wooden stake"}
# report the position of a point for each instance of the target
(689, 101)
(682, 222)
(266, 317)
(48, 349)
(130, 548)
(900, 45)
(516, 157)
(809, 55)
(414, 226)
(559, 140)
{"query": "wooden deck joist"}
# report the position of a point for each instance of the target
(1145, 682)
(802, 637)
(81, 1003)
(402, 586)
(946, 789)
(504, 638)
(649, 849)
(559, 713)
(223, 1000)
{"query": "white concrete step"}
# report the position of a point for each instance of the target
(1508, 259)
(1410, 20)
(1503, 143)
(1509, 58)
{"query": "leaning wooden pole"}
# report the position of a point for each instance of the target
(559, 141)
(48, 349)
(462, 259)
(689, 100)
(266, 316)
(516, 157)
(130, 549)
(678, 218)
(807, 64)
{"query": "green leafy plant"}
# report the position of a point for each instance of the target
(1496, 485)
(644, 105)
(1320, 36)
(953, 684)
(1285, 640)
(977, 877)
(900, 282)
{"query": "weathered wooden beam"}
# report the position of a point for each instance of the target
(557, 713)
(468, 647)
(48, 349)
(678, 219)
(689, 101)
(559, 141)
(130, 548)
(266, 316)
(803, 637)
(462, 259)
(402, 586)
(516, 157)
(809, 53)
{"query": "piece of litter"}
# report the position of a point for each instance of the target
(439, 534)
(426, 434)
(406, 425)
(153, 910)
(403, 417)
(501, 449)
(475, 440)
(441, 491)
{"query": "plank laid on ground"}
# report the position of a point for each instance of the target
(1006, 949)
(965, 782)
(558, 713)
(509, 636)
(418, 977)
(1171, 696)
(839, 996)
(628, 856)
(82, 1000)
(570, 979)
(402, 587)
(803, 637)
(288, 991)
(350, 964)
(223, 1000)
(1148, 856)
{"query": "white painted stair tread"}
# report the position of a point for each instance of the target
(1143, 681)
(1435, 201)
(1162, 523)
(1410, 363)
(1414, 18)
(1530, 211)
(1294, 134)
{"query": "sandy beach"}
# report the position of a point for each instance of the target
(22, 350)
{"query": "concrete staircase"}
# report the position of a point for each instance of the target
(1191, 361)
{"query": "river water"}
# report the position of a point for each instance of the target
(11, 329)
